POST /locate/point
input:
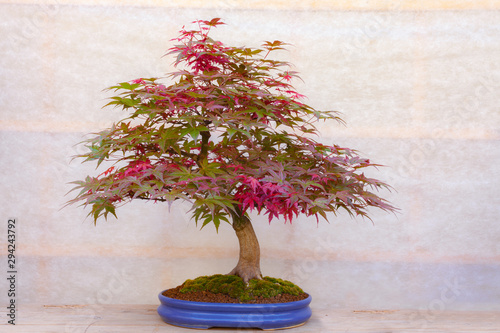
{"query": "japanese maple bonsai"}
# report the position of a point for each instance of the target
(229, 134)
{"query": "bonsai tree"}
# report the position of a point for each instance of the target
(230, 135)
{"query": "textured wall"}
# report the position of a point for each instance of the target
(418, 86)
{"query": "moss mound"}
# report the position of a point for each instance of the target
(234, 287)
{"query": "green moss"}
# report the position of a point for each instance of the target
(225, 284)
(234, 286)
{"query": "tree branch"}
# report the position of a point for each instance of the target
(205, 136)
(183, 153)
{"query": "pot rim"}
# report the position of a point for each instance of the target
(286, 306)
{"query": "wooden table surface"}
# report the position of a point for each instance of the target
(31, 318)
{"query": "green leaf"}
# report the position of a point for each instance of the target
(195, 133)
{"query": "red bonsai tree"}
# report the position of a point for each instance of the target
(229, 134)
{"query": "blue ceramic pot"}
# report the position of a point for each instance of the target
(203, 315)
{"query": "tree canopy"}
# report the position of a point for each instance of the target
(228, 133)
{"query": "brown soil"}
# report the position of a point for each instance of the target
(206, 296)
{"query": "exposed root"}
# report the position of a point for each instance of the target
(246, 272)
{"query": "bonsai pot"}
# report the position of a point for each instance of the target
(204, 315)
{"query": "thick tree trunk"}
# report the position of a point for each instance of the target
(248, 266)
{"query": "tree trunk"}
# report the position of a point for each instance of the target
(248, 266)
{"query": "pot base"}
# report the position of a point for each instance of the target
(202, 315)
(262, 329)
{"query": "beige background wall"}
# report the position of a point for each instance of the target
(417, 83)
